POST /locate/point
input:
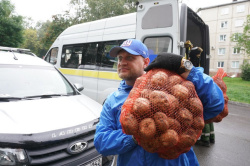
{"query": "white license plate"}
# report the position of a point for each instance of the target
(96, 162)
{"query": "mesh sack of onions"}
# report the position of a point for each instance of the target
(163, 113)
(218, 79)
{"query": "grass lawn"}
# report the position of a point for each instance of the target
(237, 89)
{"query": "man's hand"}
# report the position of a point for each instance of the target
(166, 61)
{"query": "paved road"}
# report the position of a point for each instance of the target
(232, 140)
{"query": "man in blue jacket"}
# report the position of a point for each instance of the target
(133, 59)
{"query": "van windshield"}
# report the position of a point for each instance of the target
(22, 81)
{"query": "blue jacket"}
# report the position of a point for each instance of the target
(110, 140)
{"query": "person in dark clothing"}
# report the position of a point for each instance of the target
(208, 135)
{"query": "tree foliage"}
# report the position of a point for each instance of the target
(92, 10)
(42, 28)
(243, 43)
(18, 31)
(243, 39)
(54, 29)
(40, 38)
(245, 68)
(99, 9)
(10, 25)
(30, 40)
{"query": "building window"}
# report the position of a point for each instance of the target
(235, 64)
(223, 24)
(224, 11)
(222, 51)
(222, 37)
(236, 50)
(220, 64)
(240, 8)
(239, 23)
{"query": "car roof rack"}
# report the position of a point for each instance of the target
(19, 50)
(14, 49)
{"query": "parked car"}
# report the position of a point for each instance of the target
(44, 119)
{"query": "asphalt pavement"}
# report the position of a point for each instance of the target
(232, 140)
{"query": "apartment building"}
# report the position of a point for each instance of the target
(225, 20)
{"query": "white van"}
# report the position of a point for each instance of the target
(44, 119)
(81, 52)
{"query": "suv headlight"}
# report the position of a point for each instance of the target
(16, 157)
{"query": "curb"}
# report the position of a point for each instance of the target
(239, 104)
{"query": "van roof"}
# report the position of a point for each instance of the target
(111, 22)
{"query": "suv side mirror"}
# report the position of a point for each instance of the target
(79, 87)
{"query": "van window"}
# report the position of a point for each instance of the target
(158, 17)
(157, 45)
(108, 62)
(89, 56)
(52, 56)
(71, 56)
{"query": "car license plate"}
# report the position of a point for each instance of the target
(96, 162)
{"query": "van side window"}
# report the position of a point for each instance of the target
(72, 56)
(108, 62)
(89, 56)
(51, 57)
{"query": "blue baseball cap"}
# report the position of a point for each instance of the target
(132, 46)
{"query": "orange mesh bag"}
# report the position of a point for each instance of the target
(218, 79)
(163, 113)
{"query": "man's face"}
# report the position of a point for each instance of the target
(130, 67)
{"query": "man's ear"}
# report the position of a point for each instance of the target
(146, 62)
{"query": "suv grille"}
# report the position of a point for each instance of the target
(56, 152)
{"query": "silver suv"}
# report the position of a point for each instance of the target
(44, 119)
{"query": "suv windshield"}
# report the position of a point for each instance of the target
(21, 81)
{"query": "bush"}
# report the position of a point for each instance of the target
(245, 71)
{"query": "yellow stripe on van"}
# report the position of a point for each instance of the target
(76, 72)
(91, 73)
(109, 75)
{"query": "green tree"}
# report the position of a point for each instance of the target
(92, 10)
(10, 25)
(54, 29)
(99, 9)
(243, 39)
(243, 43)
(28, 23)
(31, 40)
(245, 68)
(41, 34)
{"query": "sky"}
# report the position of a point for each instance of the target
(42, 10)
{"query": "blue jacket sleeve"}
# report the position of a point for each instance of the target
(109, 138)
(208, 91)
